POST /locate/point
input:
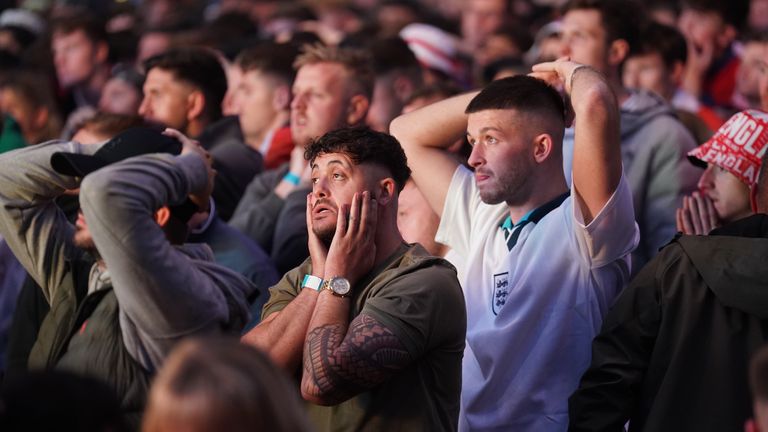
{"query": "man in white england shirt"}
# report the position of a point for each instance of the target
(544, 263)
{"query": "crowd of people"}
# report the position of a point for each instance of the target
(370, 215)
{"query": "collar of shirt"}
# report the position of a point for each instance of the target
(512, 230)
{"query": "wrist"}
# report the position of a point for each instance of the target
(312, 282)
(574, 72)
(338, 286)
(194, 167)
(292, 178)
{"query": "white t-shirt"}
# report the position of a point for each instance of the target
(532, 311)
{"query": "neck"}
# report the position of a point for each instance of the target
(387, 240)
(255, 141)
(194, 128)
(545, 191)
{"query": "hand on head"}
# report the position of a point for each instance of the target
(190, 146)
(558, 74)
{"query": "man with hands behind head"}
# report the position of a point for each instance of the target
(376, 324)
(543, 261)
(121, 286)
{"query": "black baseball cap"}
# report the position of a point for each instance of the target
(132, 142)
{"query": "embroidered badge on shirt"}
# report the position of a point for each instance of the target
(500, 291)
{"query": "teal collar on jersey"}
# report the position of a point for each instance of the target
(512, 230)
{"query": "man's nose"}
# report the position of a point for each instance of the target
(320, 188)
(144, 107)
(476, 157)
(298, 102)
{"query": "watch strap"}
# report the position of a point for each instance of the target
(313, 282)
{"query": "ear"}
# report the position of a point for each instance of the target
(542, 147)
(751, 426)
(195, 105)
(676, 73)
(403, 88)
(357, 109)
(281, 98)
(386, 191)
(617, 52)
(162, 215)
(41, 117)
(101, 52)
(727, 36)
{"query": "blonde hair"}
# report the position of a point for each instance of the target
(212, 385)
(357, 62)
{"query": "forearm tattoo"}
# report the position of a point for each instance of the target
(338, 366)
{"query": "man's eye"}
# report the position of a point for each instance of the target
(337, 176)
(491, 140)
(314, 180)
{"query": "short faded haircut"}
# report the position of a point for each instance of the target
(522, 93)
(528, 96)
(357, 62)
(621, 19)
(364, 145)
(93, 26)
(664, 40)
(199, 67)
(270, 58)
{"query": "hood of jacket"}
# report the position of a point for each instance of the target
(639, 109)
(732, 260)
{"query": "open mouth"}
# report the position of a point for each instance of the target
(322, 209)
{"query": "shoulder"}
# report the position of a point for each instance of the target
(418, 274)
(671, 261)
(418, 260)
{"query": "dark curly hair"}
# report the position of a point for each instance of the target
(363, 145)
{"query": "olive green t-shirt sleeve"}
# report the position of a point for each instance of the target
(423, 308)
(285, 290)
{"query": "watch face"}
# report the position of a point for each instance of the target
(340, 286)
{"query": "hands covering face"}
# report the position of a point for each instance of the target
(353, 250)
(697, 216)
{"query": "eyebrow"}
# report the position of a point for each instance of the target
(332, 162)
(484, 130)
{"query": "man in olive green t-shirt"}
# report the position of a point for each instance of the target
(377, 325)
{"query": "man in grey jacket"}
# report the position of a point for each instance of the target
(122, 287)
(654, 144)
